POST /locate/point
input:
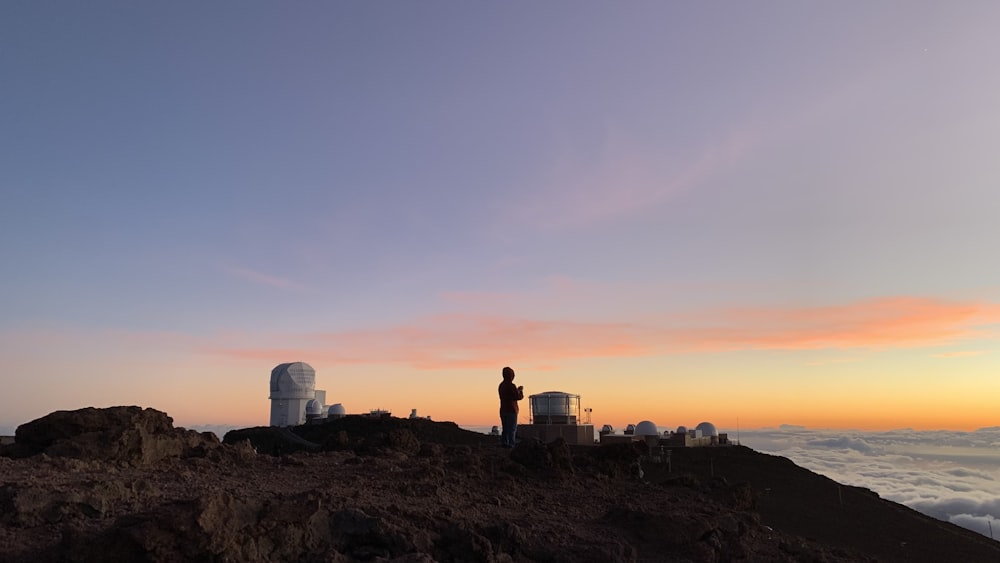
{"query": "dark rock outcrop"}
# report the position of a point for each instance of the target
(130, 435)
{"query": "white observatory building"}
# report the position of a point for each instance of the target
(293, 389)
(705, 434)
(555, 414)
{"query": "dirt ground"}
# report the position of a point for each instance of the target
(399, 490)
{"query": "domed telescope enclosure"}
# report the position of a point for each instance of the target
(293, 385)
(648, 432)
(555, 407)
(705, 434)
(296, 380)
(315, 410)
(646, 428)
(707, 429)
(555, 414)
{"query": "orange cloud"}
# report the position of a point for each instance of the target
(464, 341)
(893, 322)
(959, 354)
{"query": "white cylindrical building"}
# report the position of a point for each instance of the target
(555, 407)
(293, 385)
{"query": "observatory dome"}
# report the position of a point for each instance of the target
(296, 380)
(681, 429)
(707, 429)
(337, 410)
(646, 428)
(314, 408)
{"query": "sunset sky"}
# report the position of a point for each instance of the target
(765, 212)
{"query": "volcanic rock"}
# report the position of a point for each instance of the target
(130, 435)
(384, 489)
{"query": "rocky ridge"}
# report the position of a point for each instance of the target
(124, 485)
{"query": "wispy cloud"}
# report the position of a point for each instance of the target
(262, 278)
(476, 299)
(891, 322)
(623, 179)
(463, 341)
(832, 361)
(453, 341)
(959, 354)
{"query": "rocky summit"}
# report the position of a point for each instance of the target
(123, 484)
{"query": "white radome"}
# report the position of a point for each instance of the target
(646, 428)
(707, 429)
(337, 410)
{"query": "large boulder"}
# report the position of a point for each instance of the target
(553, 458)
(130, 435)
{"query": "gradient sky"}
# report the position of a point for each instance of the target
(769, 212)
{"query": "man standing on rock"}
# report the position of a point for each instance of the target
(509, 396)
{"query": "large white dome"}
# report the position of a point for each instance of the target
(707, 429)
(646, 428)
(337, 410)
(296, 380)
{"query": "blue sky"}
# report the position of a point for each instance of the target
(786, 200)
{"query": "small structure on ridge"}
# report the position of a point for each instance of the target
(555, 414)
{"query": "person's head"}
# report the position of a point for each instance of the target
(508, 374)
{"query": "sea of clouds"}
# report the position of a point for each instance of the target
(952, 476)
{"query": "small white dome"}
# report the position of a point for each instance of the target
(681, 429)
(707, 429)
(646, 428)
(337, 410)
(314, 407)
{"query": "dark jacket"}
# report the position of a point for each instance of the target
(509, 396)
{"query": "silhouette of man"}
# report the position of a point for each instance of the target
(509, 396)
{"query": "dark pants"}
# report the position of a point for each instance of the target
(509, 421)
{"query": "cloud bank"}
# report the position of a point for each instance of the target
(952, 476)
